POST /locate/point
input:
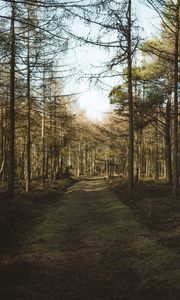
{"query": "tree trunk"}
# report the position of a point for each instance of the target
(11, 165)
(42, 132)
(156, 158)
(175, 149)
(168, 141)
(130, 102)
(28, 144)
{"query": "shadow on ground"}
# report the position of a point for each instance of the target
(88, 245)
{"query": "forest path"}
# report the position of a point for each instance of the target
(89, 246)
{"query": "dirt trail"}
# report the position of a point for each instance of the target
(89, 246)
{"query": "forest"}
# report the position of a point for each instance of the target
(89, 208)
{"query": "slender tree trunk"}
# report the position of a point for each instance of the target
(2, 134)
(168, 141)
(51, 145)
(28, 144)
(141, 154)
(130, 101)
(78, 160)
(42, 132)
(21, 175)
(137, 157)
(175, 149)
(69, 155)
(86, 157)
(156, 158)
(6, 139)
(11, 165)
(56, 150)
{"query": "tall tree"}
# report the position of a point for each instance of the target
(11, 166)
(168, 50)
(176, 81)
(130, 102)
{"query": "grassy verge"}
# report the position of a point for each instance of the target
(154, 206)
(26, 210)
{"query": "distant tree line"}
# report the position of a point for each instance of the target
(147, 97)
(41, 136)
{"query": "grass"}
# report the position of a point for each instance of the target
(25, 211)
(123, 245)
(154, 206)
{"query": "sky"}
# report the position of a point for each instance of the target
(92, 99)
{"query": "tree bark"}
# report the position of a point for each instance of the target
(42, 131)
(11, 163)
(28, 144)
(168, 141)
(130, 102)
(156, 158)
(175, 149)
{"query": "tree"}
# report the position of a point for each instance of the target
(130, 102)
(169, 51)
(176, 81)
(11, 166)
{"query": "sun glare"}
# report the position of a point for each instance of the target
(95, 104)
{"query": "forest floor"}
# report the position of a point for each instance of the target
(89, 244)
